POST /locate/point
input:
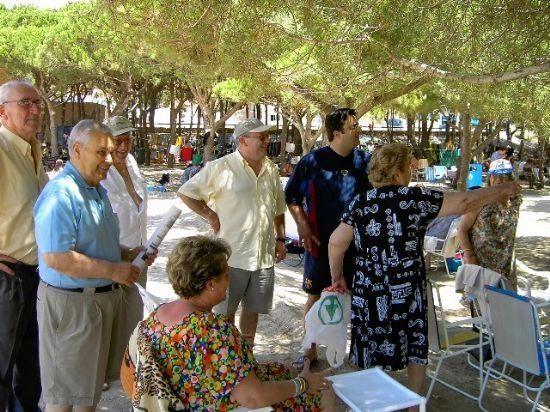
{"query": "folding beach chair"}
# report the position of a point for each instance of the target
(517, 342)
(448, 339)
(441, 243)
(440, 174)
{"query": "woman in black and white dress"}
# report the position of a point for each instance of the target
(388, 223)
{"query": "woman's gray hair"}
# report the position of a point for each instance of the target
(82, 130)
(7, 87)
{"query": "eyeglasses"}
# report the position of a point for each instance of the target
(27, 103)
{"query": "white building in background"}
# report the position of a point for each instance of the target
(367, 122)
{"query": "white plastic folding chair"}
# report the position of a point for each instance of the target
(517, 342)
(444, 247)
(448, 339)
(375, 391)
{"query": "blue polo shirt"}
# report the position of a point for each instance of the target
(72, 215)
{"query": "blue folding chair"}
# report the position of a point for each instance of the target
(518, 342)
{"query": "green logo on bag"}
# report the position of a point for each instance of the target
(330, 311)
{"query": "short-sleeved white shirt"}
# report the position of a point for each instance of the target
(246, 205)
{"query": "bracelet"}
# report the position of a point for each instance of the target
(281, 239)
(303, 384)
(296, 386)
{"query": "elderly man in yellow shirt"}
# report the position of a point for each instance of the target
(241, 197)
(23, 177)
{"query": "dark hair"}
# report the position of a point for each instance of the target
(335, 121)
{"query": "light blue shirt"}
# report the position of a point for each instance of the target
(72, 215)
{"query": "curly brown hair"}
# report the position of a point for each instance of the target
(386, 162)
(194, 261)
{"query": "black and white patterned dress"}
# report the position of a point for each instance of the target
(388, 309)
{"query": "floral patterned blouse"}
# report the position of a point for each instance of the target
(493, 235)
(204, 357)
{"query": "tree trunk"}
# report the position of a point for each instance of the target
(53, 126)
(410, 135)
(541, 162)
(199, 117)
(425, 137)
(465, 151)
(173, 117)
(284, 137)
(258, 110)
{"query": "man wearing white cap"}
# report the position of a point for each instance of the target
(241, 197)
(127, 192)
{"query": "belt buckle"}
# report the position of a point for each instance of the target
(88, 291)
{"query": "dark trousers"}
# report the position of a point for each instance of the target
(19, 368)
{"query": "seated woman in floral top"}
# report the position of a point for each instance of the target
(487, 235)
(189, 358)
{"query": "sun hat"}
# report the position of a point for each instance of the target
(250, 126)
(501, 167)
(119, 125)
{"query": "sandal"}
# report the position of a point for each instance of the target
(298, 364)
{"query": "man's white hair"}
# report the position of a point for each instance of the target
(82, 131)
(7, 87)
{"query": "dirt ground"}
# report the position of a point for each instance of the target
(280, 333)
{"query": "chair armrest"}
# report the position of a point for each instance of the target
(525, 284)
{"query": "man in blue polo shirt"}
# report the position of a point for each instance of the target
(81, 318)
(327, 179)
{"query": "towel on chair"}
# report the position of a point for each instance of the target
(473, 278)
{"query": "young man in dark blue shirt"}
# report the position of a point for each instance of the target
(327, 179)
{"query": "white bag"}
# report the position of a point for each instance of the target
(326, 324)
(150, 301)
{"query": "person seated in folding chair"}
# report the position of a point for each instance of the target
(185, 357)
(487, 235)
(388, 223)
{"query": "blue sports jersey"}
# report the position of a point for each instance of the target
(328, 182)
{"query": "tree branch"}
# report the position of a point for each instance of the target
(490, 139)
(387, 96)
(433, 71)
(228, 114)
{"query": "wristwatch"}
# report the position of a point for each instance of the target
(281, 239)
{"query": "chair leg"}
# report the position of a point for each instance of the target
(536, 402)
(484, 386)
(447, 267)
(434, 377)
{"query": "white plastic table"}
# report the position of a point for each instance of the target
(375, 391)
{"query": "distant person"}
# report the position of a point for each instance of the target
(189, 172)
(58, 167)
(23, 177)
(244, 190)
(500, 152)
(164, 180)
